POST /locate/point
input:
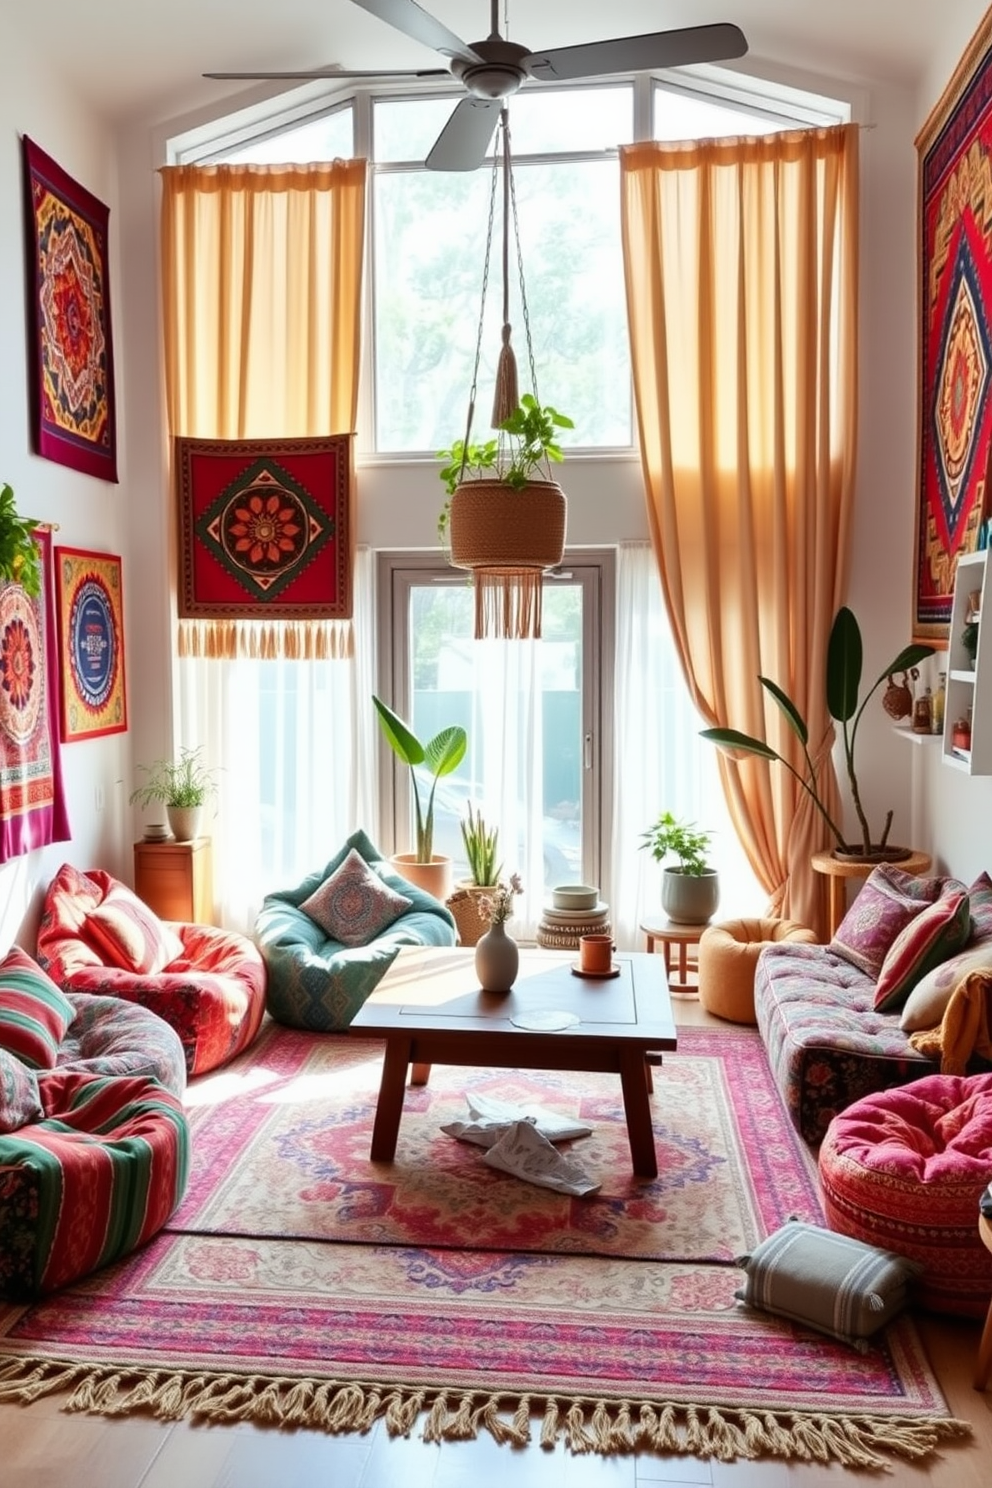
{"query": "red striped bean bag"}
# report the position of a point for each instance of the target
(98, 1176)
(903, 1169)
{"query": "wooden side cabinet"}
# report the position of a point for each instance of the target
(175, 879)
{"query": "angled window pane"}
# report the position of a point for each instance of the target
(331, 137)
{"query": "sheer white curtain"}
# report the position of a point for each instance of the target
(661, 763)
(294, 747)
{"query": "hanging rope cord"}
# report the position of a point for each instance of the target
(506, 396)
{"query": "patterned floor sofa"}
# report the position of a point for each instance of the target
(97, 936)
(94, 1141)
(827, 1042)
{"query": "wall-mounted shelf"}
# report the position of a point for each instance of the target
(969, 689)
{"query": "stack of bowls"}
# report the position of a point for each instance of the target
(575, 910)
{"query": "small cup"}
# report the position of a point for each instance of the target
(596, 954)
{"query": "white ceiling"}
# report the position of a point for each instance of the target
(143, 59)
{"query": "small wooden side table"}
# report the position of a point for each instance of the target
(175, 879)
(685, 980)
(984, 1366)
(839, 870)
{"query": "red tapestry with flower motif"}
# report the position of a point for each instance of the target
(265, 528)
(69, 302)
(32, 801)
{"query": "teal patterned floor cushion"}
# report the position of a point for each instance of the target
(317, 982)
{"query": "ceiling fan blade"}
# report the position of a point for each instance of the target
(462, 143)
(412, 20)
(639, 53)
(313, 73)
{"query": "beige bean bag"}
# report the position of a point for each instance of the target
(728, 954)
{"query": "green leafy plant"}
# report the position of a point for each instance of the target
(679, 839)
(969, 640)
(528, 444)
(441, 755)
(844, 666)
(480, 849)
(185, 781)
(20, 560)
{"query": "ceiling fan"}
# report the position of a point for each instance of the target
(493, 69)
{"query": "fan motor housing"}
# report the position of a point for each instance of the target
(500, 72)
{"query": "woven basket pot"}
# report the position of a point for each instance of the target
(494, 526)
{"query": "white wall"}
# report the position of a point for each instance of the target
(90, 513)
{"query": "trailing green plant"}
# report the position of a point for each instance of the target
(20, 559)
(679, 839)
(527, 443)
(969, 639)
(185, 781)
(481, 849)
(441, 755)
(843, 680)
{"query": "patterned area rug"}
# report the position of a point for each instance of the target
(299, 1284)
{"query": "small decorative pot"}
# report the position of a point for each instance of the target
(184, 821)
(689, 898)
(497, 960)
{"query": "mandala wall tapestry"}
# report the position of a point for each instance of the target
(89, 595)
(69, 302)
(266, 545)
(954, 494)
(32, 802)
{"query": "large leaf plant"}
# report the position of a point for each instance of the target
(441, 755)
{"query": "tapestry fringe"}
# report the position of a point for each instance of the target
(267, 640)
(585, 1425)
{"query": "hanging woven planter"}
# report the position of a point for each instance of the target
(507, 538)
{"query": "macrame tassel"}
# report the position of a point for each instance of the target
(508, 604)
(507, 395)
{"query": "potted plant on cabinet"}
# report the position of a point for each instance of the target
(504, 516)
(442, 754)
(690, 891)
(183, 786)
(843, 679)
(481, 848)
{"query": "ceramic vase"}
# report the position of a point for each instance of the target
(497, 960)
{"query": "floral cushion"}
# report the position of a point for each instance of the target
(130, 935)
(934, 934)
(827, 1044)
(927, 1003)
(20, 1103)
(34, 1014)
(354, 905)
(886, 902)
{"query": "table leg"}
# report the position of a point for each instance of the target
(837, 897)
(637, 1107)
(683, 952)
(419, 1073)
(389, 1107)
(650, 941)
(667, 953)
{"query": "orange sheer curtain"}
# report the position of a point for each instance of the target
(741, 264)
(261, 294)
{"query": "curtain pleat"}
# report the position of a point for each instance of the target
(741, 265)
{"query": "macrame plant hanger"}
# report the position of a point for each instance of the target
(510, 552)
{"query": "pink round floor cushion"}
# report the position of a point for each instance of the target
(903, 1169)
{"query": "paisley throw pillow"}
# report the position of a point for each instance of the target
(354, 905)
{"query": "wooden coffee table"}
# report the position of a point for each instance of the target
(430, 1010)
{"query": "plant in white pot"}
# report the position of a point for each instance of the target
(690, 889)
(183, 786)
(441, 755)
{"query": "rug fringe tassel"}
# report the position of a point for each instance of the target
(602, 1426)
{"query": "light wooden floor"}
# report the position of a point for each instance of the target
(43, 1447)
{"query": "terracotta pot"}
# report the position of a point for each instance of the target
(434, 877)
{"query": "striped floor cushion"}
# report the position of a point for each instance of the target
(904, 1169)
(97, 1177)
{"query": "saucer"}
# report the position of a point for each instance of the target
(596, 976)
